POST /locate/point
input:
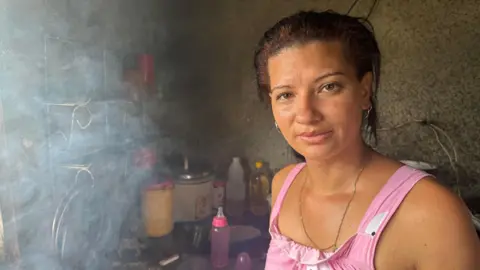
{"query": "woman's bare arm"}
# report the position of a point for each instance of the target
(440, 230)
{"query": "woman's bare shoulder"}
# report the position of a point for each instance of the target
(440, 227)
(279, 179)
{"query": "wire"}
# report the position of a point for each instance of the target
(450, 159)
(400, 125)
(352, 6)
(371, 9)
(449, 140)
(375, 2)
(76, 106)
(453, 159)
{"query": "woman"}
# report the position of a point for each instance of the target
(347, 206)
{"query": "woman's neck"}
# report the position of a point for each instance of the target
(336, 175)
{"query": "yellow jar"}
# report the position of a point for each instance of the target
(158, 209)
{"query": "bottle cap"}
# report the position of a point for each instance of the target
(220, 220)
(236, 159)
(258, 164)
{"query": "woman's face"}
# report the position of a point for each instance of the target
(317, 99)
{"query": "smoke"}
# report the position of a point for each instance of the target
(68, 131)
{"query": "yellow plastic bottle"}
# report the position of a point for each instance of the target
(259, 187)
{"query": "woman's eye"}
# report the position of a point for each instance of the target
(330, 87)
(284, 96)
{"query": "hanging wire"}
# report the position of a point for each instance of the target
(452, 158)
(375, 2)
(76, 106)
(352, 6)
(65, 202)
(372, 8)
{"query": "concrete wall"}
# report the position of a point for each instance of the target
(54, 56)
(58, 52)
(430, 71)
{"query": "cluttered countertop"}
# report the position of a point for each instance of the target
(167, 221)
(176, 252)
(190, 226)
(184, 222)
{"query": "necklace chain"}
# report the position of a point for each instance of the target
(334, 245)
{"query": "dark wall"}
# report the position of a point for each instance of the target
(431, 67)
(68, 129)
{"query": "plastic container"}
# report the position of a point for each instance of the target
(235, 189)
(220, 240)
(147, 68)
(218, 195)
(259, 187)
(158, 208)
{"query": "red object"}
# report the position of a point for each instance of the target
(147, 68)
(220, 239)
(220, 221)
(145, 158)
(219, 184)
(164, 185)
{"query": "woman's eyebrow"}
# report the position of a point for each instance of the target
(319, 78)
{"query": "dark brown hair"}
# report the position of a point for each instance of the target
(356, 35)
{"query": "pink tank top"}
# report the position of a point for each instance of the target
(358, 252)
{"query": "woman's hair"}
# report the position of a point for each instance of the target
(355, 34)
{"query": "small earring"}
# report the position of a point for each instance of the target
(276, 126)
(368, 112)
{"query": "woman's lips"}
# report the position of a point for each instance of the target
(314, 137)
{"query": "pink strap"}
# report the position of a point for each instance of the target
(388, 200)
(283, 191)
(392, 193)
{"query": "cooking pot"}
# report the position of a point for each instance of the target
(192, 196)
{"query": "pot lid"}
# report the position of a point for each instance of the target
(190, 172)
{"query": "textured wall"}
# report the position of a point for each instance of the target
(430, 70)
(61, 65)
(64, 51)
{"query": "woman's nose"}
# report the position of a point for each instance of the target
(306, 111)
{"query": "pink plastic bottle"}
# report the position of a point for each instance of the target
(220, 239)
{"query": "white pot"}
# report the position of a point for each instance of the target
(192, 199)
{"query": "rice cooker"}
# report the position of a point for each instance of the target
(192, 196)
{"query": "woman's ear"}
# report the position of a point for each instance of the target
(366, 89)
